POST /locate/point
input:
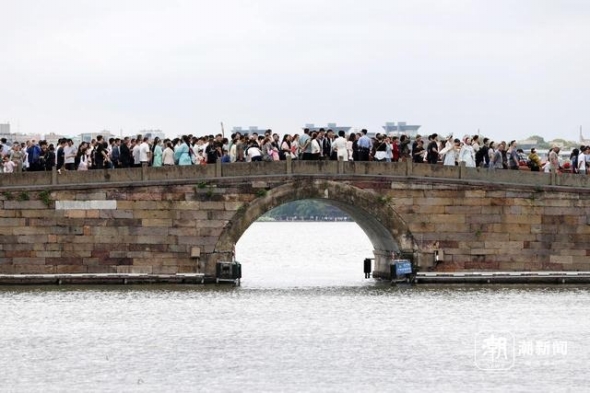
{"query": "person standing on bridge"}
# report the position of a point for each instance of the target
(534, 161)
(339, 147)
(582, 166)
(365, 144)
(553, 163)
(466, 154)
(305, 145)
(432, 149)
(497, 162)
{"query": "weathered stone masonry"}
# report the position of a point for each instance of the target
(183, 220)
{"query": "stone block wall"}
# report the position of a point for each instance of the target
(173, 227)
(114, 230)
(498, 228)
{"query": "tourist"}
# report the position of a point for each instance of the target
(352, 147)
(482, 158)
(100, 156)
(145, 152)
(267, 149)
(449, 147)
(339, 146)
(364, 146)
(286, 150)
(305, 145)
(395, 149)
(253, 152)
(315, 148)
(467, 154)
(497, 161)
(534, 161)
(512, 156)
(451, 152)
(50, 159)
(491, 152)
(295, 147)
(157, 153)
(18, 156)
(404, 147)
(124, 154)
(135, 151)
(8, 165)
(380, 149)
(574, 160)
(182, 154)
(432, 149)
(70, 155)
(168, 155)
(475, 144)
(81, 159)
(582, 165)
(34, 156)
(327, 146)
(418, 152)
(552, 163)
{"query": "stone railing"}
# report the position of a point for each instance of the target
(335, 169)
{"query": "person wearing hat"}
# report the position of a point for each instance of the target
(534, 161)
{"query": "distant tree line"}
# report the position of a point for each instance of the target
(306, 210)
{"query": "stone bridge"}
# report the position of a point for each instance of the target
(183, 219)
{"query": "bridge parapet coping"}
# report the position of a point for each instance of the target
(453, 174)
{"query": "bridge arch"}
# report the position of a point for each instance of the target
(384, 227)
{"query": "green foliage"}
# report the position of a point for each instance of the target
(8, 195)
(45, 196)
(201, 185)
(23, 196)
(384, 199)
(261, 193)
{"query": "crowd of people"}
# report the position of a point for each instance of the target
(310, 145)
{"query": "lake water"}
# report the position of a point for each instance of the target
(304, 319)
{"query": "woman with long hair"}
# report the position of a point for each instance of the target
(81, 158)
(157, 153)
(315, 147)
(182, 155)
(295, 146)
(286, 149)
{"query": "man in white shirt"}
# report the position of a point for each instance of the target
(136, 154)
(145, 152)
(70, 152)
(339, 146)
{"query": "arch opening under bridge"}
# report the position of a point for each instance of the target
(387, 231)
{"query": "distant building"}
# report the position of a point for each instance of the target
(52, 138)
(89, 136)
(401, 128)
(249, 130)
(152, 134)
(330, 126)
(527, 144)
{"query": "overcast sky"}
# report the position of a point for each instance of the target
(511, 68)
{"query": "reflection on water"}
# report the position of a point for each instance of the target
(301, 331)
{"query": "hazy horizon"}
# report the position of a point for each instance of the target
(508, 69)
